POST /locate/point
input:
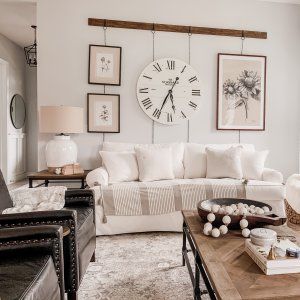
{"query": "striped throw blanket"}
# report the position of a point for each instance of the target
(162, 197)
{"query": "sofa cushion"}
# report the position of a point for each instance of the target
(194, 161)
(253, 164)
(177, 152)
(154, 164)
(121, 166)
(224, 163)
(195, 157)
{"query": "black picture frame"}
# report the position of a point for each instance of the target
(92, 80)
(89, 129)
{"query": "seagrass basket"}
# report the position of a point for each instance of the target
(292, 216)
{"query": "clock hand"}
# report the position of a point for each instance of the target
(173, 106)
(165, 100)
(176, 79)
(169, 93)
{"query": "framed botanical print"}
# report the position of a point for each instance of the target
(103, 113)
(105, 65)
(241, 92)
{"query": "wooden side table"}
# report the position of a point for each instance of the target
(48, 177)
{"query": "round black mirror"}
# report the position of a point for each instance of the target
(17, 111)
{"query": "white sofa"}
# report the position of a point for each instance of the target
(156, 206)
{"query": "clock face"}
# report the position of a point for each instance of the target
(169, 91)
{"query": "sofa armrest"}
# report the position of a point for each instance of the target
(96, 177)
(79, 198)
(46, 238)
(272, 175)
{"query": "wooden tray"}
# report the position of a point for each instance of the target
(254, 220)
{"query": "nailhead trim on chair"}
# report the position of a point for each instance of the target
(56, 244)
(90, 198)
(66, 223)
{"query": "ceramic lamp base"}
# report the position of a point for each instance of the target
(61, 151)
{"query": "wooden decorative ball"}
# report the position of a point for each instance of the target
(226, 220)
(206, 231)
(244, 223)
(215, 233)
(215, 208)
(246, 232)
(208, 226)
(229, 210)
(223, 229)
(211, 217)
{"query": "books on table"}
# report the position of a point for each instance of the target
(282, 265)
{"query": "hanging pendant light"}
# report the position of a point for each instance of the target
(31, 51)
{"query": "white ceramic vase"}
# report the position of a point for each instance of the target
(61, 151)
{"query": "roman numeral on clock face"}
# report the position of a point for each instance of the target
(157, 67)
(144, 90)
(196, 93)
(171, 64)
(169, 117)
(148, 77)
(156, 113)
(147, 103)
(193, 105)
(183, 69)
(192, 79)
(183, 115)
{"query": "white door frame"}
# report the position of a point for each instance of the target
(4, 88)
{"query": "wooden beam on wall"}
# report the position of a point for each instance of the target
(177, 28)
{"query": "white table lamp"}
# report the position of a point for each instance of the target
(61, 120)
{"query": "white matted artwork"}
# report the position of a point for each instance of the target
(105, 65)
(241, 92)
(103, 113)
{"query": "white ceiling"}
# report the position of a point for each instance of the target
(16, 17)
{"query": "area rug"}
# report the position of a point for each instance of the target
(137, 266)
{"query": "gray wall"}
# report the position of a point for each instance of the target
(63, 64)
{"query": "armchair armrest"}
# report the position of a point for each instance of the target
(48, 238)
(272, 175)
(96, 177)
(79, 198)
(28, 233)
(52, 217)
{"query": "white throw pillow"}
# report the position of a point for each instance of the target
(194, 161)
(253, 163)
(224, 163)
(177, 152)
(154, 164)
(121, 166)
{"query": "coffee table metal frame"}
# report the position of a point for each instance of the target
(199, 268)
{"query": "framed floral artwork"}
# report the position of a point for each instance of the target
(105, 65)
(241, 92)
(103, 113)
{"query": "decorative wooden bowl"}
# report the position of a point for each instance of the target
(253, 220)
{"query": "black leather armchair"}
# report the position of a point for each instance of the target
(78, 215)
(31, 263)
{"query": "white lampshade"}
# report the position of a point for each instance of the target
(61, 119)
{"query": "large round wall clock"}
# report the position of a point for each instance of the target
(169, 91)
